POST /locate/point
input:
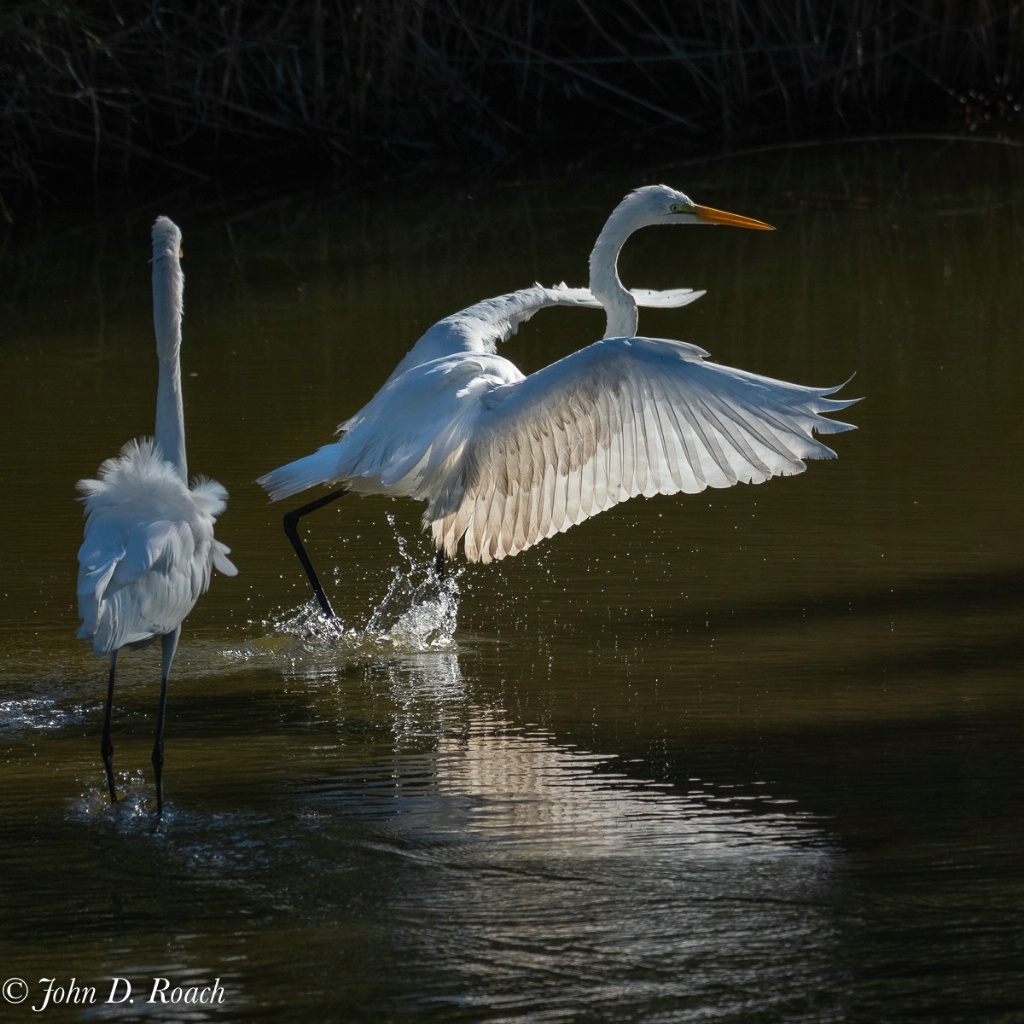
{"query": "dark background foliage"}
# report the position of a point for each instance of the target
(104, 90)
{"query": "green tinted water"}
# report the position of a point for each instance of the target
(748, 755)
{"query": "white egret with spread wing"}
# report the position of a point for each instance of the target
(505, 460)
(484, 323)
(149, 548)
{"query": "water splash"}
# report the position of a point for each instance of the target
(23, 714)
(420, 609)
(418, 613)
(135, 800)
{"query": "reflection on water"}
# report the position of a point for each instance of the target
(752, 755)
(557, 887)
(510, 875)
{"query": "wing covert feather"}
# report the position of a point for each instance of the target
(622, 417)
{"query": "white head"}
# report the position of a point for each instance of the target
(168, 285)
(659, 204)
(652, 204)
(166, 239)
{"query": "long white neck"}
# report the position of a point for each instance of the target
(168, 287)
(619, 305)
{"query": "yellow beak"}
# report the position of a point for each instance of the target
(709, 215)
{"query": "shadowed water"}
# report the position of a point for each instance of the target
(750, 755)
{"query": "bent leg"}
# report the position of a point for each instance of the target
(291, 529)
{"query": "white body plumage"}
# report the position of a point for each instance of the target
(504, 460)
(149, 548)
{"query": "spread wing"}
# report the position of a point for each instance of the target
(479, 328)
(622, 417)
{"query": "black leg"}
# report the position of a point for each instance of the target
(439, 563)
(158, 749)
(291, 529)
(169, 644)
(106, 746)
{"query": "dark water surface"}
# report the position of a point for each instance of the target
(752, 755)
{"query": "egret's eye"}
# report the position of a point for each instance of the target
(679, 208)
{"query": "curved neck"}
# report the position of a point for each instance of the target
(168, 284)
(619, 305)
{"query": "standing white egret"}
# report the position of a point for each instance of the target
(504, 460)
(149, 548)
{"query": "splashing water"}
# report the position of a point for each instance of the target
(418, 613)
(419, 610)
(135, 799)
